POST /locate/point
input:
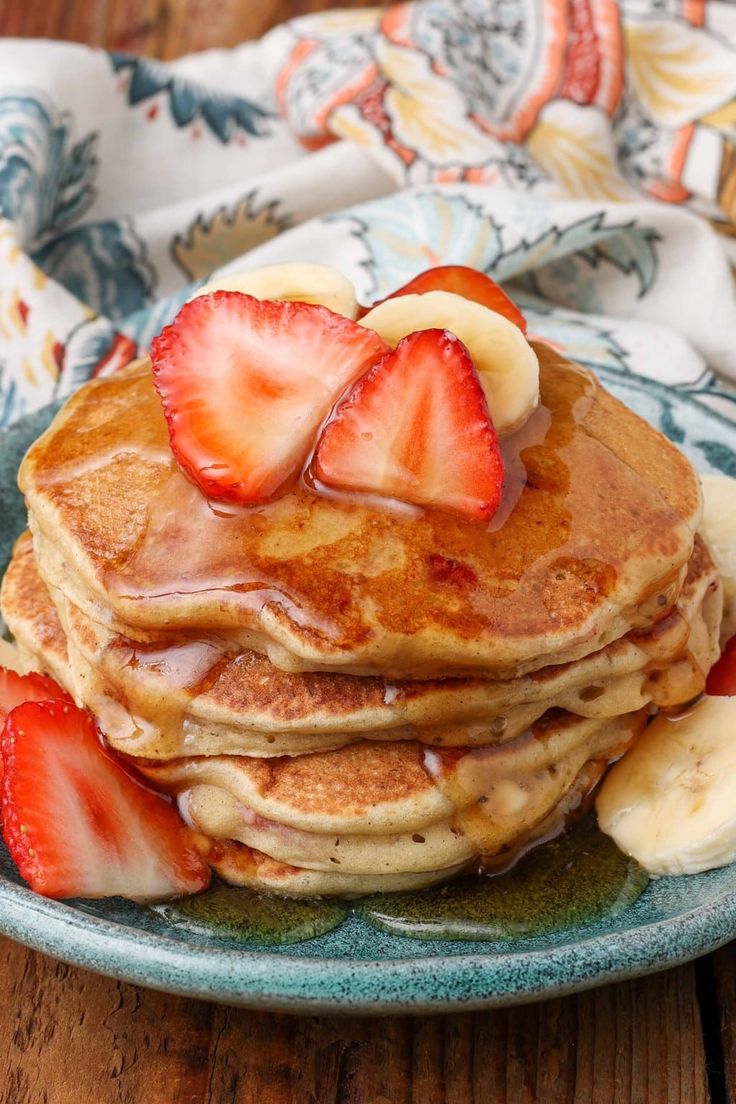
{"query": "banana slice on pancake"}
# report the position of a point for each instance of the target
(719, 528)
(504, 359)
(295, 282)
(669, 801)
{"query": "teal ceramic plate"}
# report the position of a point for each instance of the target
(355, 967)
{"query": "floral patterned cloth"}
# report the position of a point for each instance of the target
(583, 152)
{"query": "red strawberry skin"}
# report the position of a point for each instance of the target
(467, 282)
(78, 823)
(245, 385)
(16, 689)
(722, 678)
(416, 427)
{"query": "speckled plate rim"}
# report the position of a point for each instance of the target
(290, 983)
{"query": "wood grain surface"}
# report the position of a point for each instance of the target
(160, 28)
(70, 1037)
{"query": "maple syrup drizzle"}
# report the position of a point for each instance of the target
(191, 666)
(502, 792)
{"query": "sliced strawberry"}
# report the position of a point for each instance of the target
(245, 385)
(467, 282)
(722, 678)
(80, 824)
(16, 689)
(416, 427)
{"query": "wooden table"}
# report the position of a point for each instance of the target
(70, 1037)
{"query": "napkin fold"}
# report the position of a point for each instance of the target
(582, 152)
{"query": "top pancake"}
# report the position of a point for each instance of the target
(590, 541)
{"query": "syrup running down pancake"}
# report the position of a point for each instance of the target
(190, 696)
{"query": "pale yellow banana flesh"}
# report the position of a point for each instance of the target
(295, 282)
(669, 802)
(719, 528)
(505, 361)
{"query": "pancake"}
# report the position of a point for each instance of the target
(389, 815)
(241, 865)
(29, 613)
(392, 809)
(346, 696)
(392, 788)
(251, 869)
(187, 696)
(386, 816)
(591, 541)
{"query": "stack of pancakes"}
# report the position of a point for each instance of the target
(347, 695)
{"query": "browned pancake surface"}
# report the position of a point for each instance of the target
(598, 516)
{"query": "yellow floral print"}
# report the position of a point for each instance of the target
(679, 73)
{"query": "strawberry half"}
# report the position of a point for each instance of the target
(722, 678)
(16, 689)
(245, 385)
(416, 427)
(467, 282)
(78, 823)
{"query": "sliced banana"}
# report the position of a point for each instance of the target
(296, 282)
(669, 801)
(504, 359)
(719, 528)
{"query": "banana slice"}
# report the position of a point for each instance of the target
(296, 282)
(719, 528)
(669, 801)
(504, 359)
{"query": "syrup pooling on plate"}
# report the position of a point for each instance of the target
(576, 879)
(254, 918)
(333, 583)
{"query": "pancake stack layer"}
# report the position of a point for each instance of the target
(348, 697)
